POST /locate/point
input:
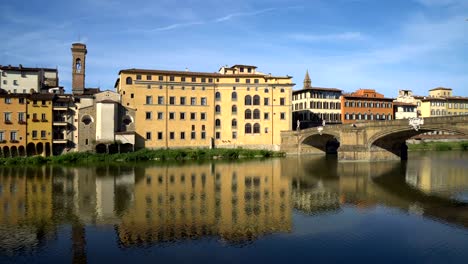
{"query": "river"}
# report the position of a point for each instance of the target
(293, 209)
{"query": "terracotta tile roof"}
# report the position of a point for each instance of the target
(318, 89)
(441, 88)
(24, 69)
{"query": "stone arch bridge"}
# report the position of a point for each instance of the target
(373, 140)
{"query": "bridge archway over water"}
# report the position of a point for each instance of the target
(372, 140)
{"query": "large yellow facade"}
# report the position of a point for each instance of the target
(441, 102)
(235, 107)
(39, 136)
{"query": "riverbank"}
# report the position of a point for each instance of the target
(438, 146)
(142, 155)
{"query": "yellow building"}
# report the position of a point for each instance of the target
(39, 131)
(236, 106)
(13, 110)
(441, 102)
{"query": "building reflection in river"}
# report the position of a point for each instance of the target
(236, 203)
(233, 202)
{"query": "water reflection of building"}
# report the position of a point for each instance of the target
(25, 208)
(431, 176)
(236, 203)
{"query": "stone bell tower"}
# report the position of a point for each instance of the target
(307, 81)
(78, 68)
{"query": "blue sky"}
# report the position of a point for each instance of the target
(346, 44)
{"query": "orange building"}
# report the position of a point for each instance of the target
(12, 124)
(365, 104)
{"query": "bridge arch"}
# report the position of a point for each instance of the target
(316, 143)
(394, 139)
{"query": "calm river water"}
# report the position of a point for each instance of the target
(295, 209)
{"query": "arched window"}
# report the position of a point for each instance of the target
(347, 116)
(218, 96)
(389, 117)
(234, 123)
(256, 100)
(377, 116)
(248, 128)
(266, 90)
(256, 128)
(78, 65)
(234, 96)
(218, 123)
(218, 109)
(234, 109)
(248, 114)
(128, 80)
(282, 90)
(248, 100)
(256, 114)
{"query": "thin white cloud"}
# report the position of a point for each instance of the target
(178, 25)
(351, 36)
(442, 3)
(242, 14)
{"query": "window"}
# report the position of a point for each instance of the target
(203, 101)
(193, 135)
(171, 100)
(182, 100)
(203, 116)
(43, 134)
(234, 109)
(13, 135)
(266, 116)
(160, 100)
(247, 80)
(256, 128)
(194, 79)
(248, 128)
(171, 78)
(148, 116)
(248, 100)
(255, 80)
(21, 116)
(160, 135)
(237, 80)
(266, 101)
(282, 115)
(171, 115)
(248, 114)
(2, 136)
(218, 109)
(234, 123)
(218, 122)
(256, 100)
(7, 100)
(182, 116)
(282, 101)
(138, 77)
(148, 135)
(193, 116)
(256, 114)
(193, 100)
(234, 96)
(218, 135)
(160, 115)
(182, 79)
(218, 96)
(182, 135)
(7, 116)
(203, 135)
(149, 99)
(234, 134)
(34, 134)
(282, 90)
(266, 130)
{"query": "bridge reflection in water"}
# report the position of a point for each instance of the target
(231, 202)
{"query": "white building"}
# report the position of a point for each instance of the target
(27, 80)
(405, 105)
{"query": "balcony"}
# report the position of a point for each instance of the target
(59, 107)
(44, 120)
(14, 141)
(59, 139)
(8, 122)
(3, 141)
(22, 122)
(35, 120)
(60, 121)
